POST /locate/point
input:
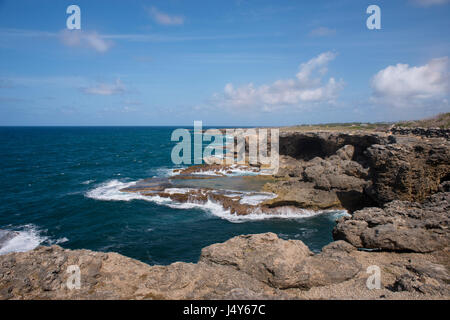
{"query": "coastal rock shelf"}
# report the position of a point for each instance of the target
(260, 266)
(319, 171)
(397, 188)
(239, 195)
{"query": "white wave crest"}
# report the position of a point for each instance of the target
(233, 172)
(25, 239)
(59, 241)
(289, 213)
(177, 190)
(110, 191)
(164, 172)
(256, 198)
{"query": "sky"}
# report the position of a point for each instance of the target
(224, 62)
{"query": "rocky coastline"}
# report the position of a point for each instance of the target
(419, 131)
(395, 185)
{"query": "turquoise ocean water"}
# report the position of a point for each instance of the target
(60, 186)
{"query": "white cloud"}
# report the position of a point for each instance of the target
(307, 88)
(80, 38)
(403, 86)
(322, 32)
(428, 3)
(106, 89)
(164, 18)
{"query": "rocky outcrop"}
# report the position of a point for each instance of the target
(302, 195)
(331, 170)
(425, 132)
(256, 266)
(333, 182)
(358, 170)
(399, 226)
(308, 145)
(260, 266)
(405, 227)
(410, 169)
(281, 264)
(424, 277)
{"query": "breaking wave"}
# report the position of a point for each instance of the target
(110, 191)
(24, 238)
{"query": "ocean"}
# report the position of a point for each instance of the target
(60, 185)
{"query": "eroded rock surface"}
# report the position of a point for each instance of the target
(410, 169)
(281, 264)
(260, 266)
(330, 170)
(399, 226)
(407, 223)
(354, 171)
(333, 182)
(424, 277)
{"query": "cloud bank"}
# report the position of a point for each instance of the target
(402, 85)
(305, 89)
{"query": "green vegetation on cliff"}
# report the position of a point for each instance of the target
(442, 120)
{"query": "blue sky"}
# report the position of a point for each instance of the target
(233, 62)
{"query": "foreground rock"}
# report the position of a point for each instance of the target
(281, 264)
(400, 226)
(260, 266)
(424, 277)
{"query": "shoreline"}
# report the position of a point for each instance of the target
(405, 178)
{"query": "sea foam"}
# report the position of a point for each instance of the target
(27, 238)
(110, 191)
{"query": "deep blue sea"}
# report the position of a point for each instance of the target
(60, 186)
